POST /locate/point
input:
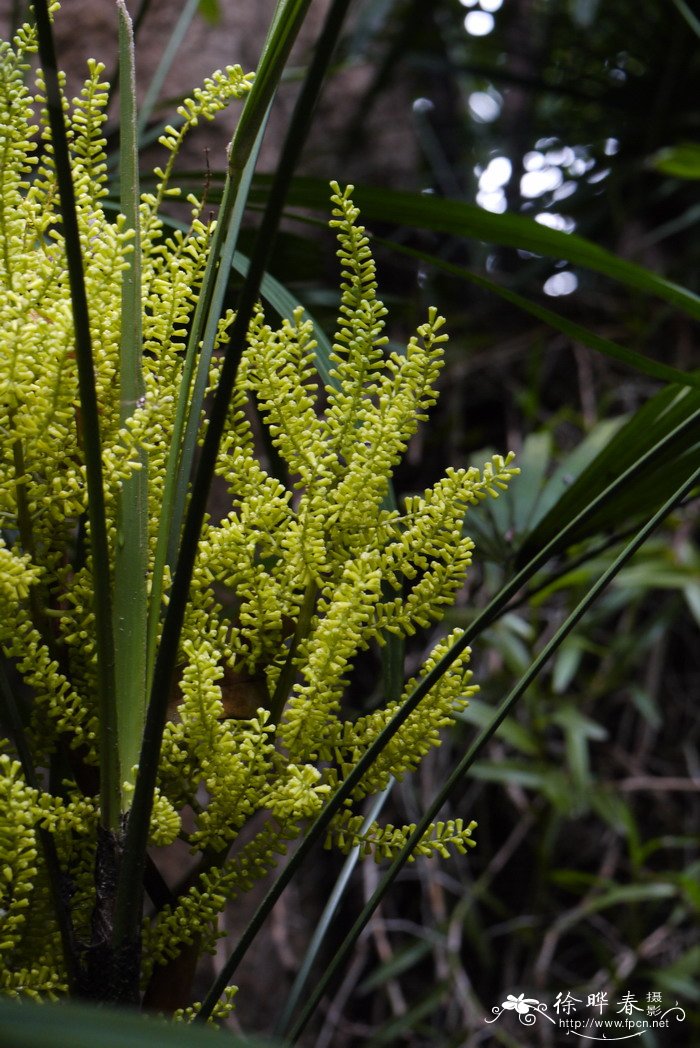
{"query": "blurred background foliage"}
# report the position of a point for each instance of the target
(582, 116)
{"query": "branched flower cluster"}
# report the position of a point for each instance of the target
(301, 574)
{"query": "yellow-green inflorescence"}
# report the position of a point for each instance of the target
(288, 587)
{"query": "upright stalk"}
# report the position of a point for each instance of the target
(92, 446)
(131, 552)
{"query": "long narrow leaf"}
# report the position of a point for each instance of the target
(577, 332)
(673, 410)
(131, 550)
(109, 764)
(324, 922)
(457, 218)
(189, 438)
(32, 1025)
(692, 20)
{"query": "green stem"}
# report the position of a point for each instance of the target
(24, 519)
(109, 763)
(113, 80)
(131, 552)
(286, 677)
(325, 920)
(688, 15)
(189, 411)
(235, 190)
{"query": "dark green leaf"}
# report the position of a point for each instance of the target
(572, 466)
(467, 220)
(681, 161)
(30, 1025)
(630, 893)
(657, 419)
(524, 496)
